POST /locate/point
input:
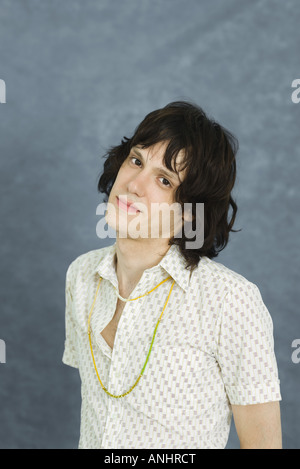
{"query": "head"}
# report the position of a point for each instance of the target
(198, 158)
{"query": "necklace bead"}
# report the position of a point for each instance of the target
(132, 299)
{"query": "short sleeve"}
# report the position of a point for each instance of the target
(245, 350)
(70, 350)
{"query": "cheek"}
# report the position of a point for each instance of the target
(159, 199)
(119, 181)
(166, 218)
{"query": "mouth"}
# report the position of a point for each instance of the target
(127, 206)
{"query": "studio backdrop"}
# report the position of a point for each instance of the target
(75, 77)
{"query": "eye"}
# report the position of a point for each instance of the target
(136, 162)
(165, 182)
(136, 159)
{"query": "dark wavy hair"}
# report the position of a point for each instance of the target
(209, 161)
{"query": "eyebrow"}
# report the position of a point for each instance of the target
(159, 169)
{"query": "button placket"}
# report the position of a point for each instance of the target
(116, 378)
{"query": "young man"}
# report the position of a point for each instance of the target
(168, 342)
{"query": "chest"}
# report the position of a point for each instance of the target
(109, 332)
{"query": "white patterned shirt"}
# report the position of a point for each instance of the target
(213, 348)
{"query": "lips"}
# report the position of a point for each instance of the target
(127, 205)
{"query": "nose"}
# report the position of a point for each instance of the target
(137, 185)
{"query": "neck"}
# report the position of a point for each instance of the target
(133, 257)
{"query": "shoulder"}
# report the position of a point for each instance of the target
(215, 277)
(237, 300)
(236, 303)
(86, 263)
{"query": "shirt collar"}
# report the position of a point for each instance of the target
(173, 263)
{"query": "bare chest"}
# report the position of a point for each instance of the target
(109, 332)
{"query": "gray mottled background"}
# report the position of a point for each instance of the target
(79, 76)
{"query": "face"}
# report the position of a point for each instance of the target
(141, 203)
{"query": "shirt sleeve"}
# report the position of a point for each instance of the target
(70, 350)
(245, 350)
